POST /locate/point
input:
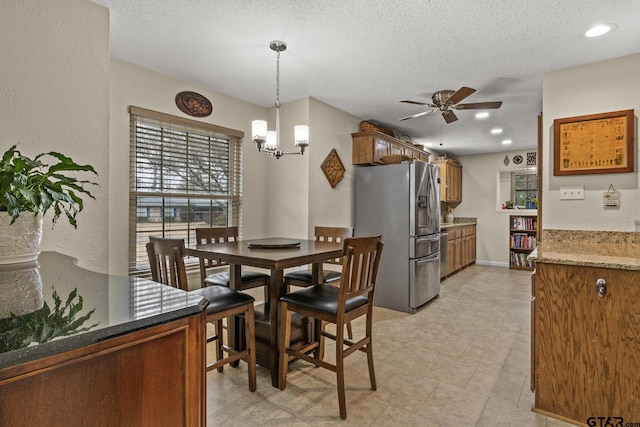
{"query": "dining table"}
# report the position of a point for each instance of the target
(275, 254)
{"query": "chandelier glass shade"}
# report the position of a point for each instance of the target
(269, 141)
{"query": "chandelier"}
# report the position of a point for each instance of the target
(269, 141)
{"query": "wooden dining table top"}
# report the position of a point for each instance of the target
(275, 258)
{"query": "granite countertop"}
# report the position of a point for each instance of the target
(458, 222)
(51, 306)
(604, 249)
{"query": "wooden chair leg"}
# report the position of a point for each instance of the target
(342, 402)
(319, 352)
(219, 342)
(349, 331)
(284, 332)
(251, 346)
(372, 373)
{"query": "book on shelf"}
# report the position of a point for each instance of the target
(523, 241)
(523, 223)
(519, 259)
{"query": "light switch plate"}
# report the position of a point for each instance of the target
(571, 193)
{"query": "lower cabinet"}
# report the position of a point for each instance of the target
(152, 377)
(462, 247)
(586, 344)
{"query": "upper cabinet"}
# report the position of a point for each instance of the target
(450, 180)
(370, 146)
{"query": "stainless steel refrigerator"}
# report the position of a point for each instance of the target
(402, 202)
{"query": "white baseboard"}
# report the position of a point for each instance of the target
(493, 263)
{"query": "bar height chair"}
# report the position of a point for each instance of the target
(338, 305)
(166, 258)
(249, 279)
(303, 277)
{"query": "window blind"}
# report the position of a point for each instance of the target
(184, 174)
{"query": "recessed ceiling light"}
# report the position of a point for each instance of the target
(482, 115)
(507, 142)
(496, 131)
(599, 30)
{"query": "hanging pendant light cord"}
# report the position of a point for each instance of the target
(278, 98)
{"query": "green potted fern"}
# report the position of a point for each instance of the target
(29, 187)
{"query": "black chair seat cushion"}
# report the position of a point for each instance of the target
(322, 298)
(224, 278)
(305, 276)
(222, 298)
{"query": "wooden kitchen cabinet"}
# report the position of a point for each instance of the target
(151, 377)
(461, 247)
(586, 354)
(450, 180)
(455, 249)
(370, 146)
(468, 245)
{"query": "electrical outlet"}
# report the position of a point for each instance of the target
(571, 193)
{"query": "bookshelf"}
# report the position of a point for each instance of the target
(523, 238)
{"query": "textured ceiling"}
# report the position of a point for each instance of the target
(362, 56)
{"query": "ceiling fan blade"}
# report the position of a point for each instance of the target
(460, 94)
(449, 116)
(478, 106)
(418, 103)
(417, 115)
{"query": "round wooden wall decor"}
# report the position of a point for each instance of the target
(194, 104)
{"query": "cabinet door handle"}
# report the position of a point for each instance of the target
(601, 287)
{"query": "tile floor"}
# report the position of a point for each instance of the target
(461, 361)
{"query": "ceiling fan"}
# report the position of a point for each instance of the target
(445, 100)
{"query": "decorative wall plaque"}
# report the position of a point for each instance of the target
(597, 143)
(531, 159)
(193, 104)
(333, 168)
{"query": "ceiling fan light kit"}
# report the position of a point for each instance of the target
(447, 100)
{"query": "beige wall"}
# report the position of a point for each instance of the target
(479, 200)
(599, 87)
(133, 85)
(332, 129)
(54, 96)
(278, 195)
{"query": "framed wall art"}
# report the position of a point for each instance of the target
(597, 143)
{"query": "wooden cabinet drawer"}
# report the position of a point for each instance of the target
(455, 233)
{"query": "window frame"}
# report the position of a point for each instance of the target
(163, 142)
(531, 177)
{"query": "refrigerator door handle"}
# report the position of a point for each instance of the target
(429, 258)
(429, 238)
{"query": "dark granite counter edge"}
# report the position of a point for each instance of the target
(73, 342)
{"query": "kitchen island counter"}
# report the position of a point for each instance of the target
(605, 249)
(585, 338)
(83, 348)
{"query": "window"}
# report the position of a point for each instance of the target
(185, 174)
(524, 186)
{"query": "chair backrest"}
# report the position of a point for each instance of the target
(333, 234)
(216, 235)
(166, 258)
(360, 267)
